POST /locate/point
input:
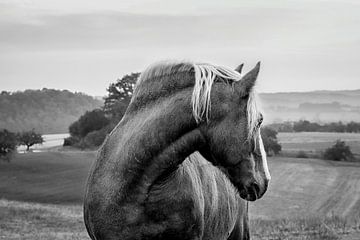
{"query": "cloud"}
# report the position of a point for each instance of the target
(303, 44)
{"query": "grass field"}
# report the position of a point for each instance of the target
(317, 142)
(25, 221)
(47, 177)
(307, 198)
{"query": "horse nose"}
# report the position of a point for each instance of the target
(252, 192)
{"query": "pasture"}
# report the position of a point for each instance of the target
(307, 198)
(316, 142)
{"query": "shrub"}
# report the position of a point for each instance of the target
(302, 154)
(90, 121)
(71, 141)
(270, 141)
(339, 152)
(8, 144)
(95, 138)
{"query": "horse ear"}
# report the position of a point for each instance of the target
(245, 85)
(239, 68)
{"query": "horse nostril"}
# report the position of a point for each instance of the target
(253, 191)
(256, 188)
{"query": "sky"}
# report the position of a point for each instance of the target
(84, 46)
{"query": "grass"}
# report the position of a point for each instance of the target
(330, 228)
(314, 143)
(19, 220)
(306, 199)
(46, 177)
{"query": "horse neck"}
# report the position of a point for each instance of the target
(153, 141)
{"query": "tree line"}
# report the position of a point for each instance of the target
(307, 126)
(46, 110)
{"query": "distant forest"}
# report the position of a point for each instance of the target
(47, 110)
(307, 126)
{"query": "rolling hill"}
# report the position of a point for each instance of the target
(52, 111)
(316, 106)
(47, 110)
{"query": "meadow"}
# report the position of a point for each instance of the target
(41, 196)
(315, 143)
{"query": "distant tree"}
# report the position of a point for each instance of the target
(90, 121)
(353, 127)
(302, 154)
(306, 126)
(119, 96)
(93, 123)
(8, 144)
(282, 127)
(47, 110)
(269, 137)
(29, 139)
(339, 152)
(95, 138)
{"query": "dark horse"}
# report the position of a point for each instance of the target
(179, 164)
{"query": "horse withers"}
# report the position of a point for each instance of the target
(183, 161)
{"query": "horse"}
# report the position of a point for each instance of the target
(184, 160)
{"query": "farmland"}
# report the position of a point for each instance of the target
(314, 143)
(41, 195)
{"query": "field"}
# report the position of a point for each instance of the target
(307, 198)
(314, 143)
(47, 177)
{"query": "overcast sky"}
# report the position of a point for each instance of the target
(84, 45)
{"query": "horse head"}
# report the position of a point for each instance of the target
(232, 133)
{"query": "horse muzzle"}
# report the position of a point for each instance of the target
(253, 190)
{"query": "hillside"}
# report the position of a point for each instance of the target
(317, 106)
(47, 110)
(52, 111)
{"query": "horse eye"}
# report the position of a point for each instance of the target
(261, 118)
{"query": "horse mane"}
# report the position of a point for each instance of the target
(218, 206)
(205, 75)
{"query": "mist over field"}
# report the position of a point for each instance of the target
(315, 106)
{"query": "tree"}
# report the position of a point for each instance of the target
(30, 138)
(306, 126)
(269, 137)
(8, 144)
(90, 121)
(119, 96)
(339, 152)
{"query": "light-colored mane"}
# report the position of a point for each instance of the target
(205, 76)
(218, 206)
